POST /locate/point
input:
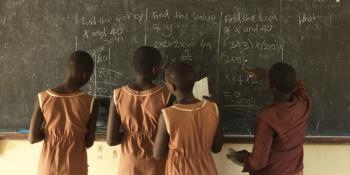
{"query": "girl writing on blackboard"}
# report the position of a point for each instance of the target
(65, 118)
(135, 108)
(280, 127)
(189, 130)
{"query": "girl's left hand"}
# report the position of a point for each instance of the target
(238, 157)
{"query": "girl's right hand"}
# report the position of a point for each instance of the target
(257, 73)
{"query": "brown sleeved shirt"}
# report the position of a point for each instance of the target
(279, 136)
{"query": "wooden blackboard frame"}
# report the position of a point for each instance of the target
(234, 139)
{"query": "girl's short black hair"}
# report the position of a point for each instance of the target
(82, 62)
(182, 75)
(282, 77)
(145, 59)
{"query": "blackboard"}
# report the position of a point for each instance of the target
(218, 37)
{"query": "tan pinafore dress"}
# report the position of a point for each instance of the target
(192, 128)
(139, 112)
(66, 117)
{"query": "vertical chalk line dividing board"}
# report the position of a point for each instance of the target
(219, 38)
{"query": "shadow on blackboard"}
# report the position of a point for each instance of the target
(244, 119)
(101, 126)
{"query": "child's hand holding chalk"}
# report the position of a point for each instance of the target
(256, 73)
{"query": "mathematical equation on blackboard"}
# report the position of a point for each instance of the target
(235, 39)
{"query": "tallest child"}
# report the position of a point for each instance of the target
(136, 108)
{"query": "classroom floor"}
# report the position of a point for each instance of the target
(103, 159)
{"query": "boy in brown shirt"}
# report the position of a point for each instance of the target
(280, 127)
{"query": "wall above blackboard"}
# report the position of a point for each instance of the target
(219, 38)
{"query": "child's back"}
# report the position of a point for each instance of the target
(191, 129)
(136, 108)
(280, 127)
(66, 117)
(139, 112)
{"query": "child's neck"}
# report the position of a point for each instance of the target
(186, 98)
(68, 86)
(142, 83)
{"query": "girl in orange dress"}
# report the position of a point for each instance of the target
(135, 108)
(65, 118)
(189, 130)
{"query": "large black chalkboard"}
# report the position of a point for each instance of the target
(218, 37)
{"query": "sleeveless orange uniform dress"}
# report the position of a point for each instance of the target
(66, 117)
(139, 112)
(191, 129)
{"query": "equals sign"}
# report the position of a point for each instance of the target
(227, 94)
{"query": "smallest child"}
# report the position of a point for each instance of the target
(189, 130)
